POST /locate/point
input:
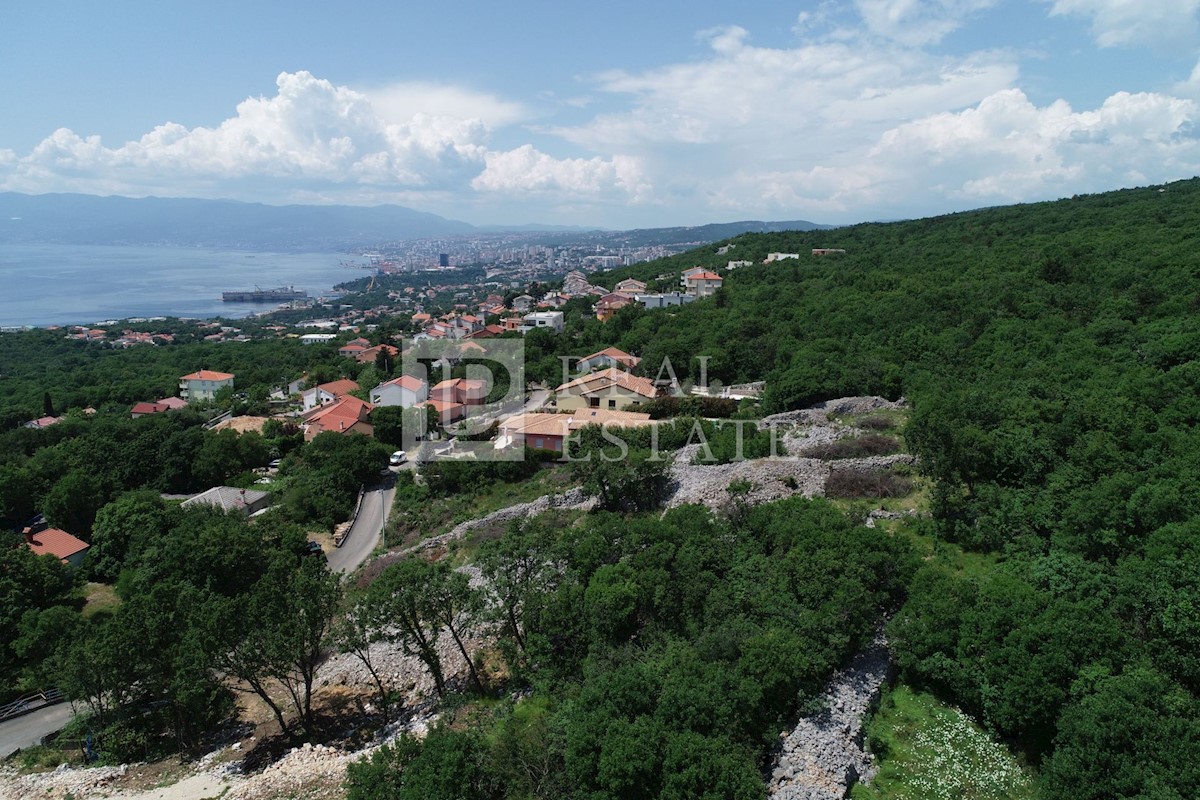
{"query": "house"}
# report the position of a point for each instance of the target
(779, 257)
(512, 323)
(317, 338)
(703, 284)
(41, 422)
(610, 304)
(345, 415)
(687, 273)
(58, 543)
(554, 300)
(448, 411)
(612, 388)
(144, 409)
(353, 347)
(326, 393)
(736, 264)
(203, 385)
(522, 303)
(608, 357)
(370, 355)
(405, 392)
(551, 431)
(575, 282)
(460, 390)
(665, 299)
(630, 286)
(542, 319)
(230, 498)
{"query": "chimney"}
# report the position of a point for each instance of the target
(28, 533)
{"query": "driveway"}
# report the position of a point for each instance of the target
(367, 530)
(28, 730)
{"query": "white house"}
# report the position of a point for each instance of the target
(203, 385)
(317, 338)
(779, 257)
(543, 319)
(405, 391)
(326, 393)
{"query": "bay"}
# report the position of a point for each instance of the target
(72, 284)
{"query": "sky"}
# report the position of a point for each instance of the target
(618, 114)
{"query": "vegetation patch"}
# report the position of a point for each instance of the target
(930, 751)
(847, 483)
(870, 444)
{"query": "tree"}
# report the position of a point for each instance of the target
(455, 605)
(73, 502)
(403, 593)
(517, 566)
(362, 625)
(279, 631)
(124, 528)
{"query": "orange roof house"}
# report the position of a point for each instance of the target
(608, 357)
(58, 543)
(203, 385)
(611, 388)
(346, 415)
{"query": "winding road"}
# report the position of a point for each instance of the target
(367, 530)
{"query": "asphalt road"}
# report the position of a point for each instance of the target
(28, 730)
(366, 532)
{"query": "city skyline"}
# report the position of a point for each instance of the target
(618, 116)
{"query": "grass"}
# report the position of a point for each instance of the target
(427, 517)
(99, 597)
(930, 751)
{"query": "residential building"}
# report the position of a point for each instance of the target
(703, 284)
(612, 388)
(326, 393)
(610, 304)
(230, 498)
(317, 338)
(522, 303)
(405, 392)
(203, 385)
(41, 422)
(664, 299)
(779, 257)
(345, 415)
(630, 286)
(58, 543)
(608, 357)
(460, 390)
(542, 319)
(551, 431)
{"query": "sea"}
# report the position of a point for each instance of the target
(42, 285)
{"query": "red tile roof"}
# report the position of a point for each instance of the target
(55, 542)
(207, 375)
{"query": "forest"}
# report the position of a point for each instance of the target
(1049, 355)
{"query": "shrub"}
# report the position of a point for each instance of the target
(876, 423)
(870, 444)
(866, 483)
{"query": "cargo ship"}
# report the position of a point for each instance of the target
(257, 295)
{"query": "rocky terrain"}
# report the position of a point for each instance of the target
(823, 756)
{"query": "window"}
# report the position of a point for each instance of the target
(612, 403)
(594, 402)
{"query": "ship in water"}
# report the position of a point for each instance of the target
(257, 295)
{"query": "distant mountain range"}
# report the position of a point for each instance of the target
(91, 220)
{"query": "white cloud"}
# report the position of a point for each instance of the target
(917, 22)
(310, 135)
(1134, 22)
(527, 170)
(402, 102)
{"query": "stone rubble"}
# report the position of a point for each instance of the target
(823, 756)
(572, 499)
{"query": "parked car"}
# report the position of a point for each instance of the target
(398, 458)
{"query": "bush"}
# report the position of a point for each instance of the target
(866, 483)
(876, 423)
(870, 444)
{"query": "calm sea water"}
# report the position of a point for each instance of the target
(69, 284)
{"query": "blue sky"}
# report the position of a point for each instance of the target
(619, 114)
